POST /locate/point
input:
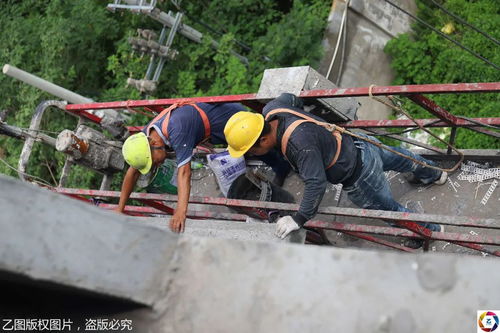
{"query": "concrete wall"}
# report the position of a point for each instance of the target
(193, 284)
(370, 25)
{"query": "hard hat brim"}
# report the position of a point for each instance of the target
(236, 153)
(148, 166)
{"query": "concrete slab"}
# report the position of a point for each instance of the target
(194, 284)
(236, 286)
(296, 79)
(243, 231)
(48, 237)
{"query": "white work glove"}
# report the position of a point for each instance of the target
(285, 225)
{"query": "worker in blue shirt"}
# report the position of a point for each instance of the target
(320, 157)
(180, 128)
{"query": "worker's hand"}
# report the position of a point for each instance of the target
(285, 225)
(177, 222)
(118, 210)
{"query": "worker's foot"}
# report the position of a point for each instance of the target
(417, 243)
(413, 243)
(442, 179)
(410, 178)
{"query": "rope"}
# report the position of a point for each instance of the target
(338, 39)
(378, 144)
(41, 181)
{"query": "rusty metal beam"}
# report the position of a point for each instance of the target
(396, 123)
(406, 220)
(433, 108)
(405, 123)
(323, 93)
(465, 240)
(158, 205)
(465, 221)
(145, 211)
(379, 241)
(407, 140)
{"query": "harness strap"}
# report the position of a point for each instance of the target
(336, 131)
(168, 113)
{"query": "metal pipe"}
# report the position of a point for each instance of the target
(464, 221)
(34, 126)
(168, 44)
(22, 134)
(51, 88)
(45, 85)
(451, 88)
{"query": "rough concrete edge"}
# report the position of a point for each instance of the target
(43, 276)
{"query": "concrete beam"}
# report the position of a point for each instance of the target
(49, 237)
(296, 79)
(243, 231)
(231, 286)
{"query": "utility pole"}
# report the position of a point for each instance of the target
(159, 50)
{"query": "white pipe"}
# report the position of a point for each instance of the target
(45, 85)
(54, 89)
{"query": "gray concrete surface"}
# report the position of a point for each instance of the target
(296, 79)
(236, 286)
(49, 237)
(370, 25)
(243, 231)
(200, 284)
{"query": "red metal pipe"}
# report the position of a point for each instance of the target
(380, 241)
(433, 108)
(397, 123)
(404, 123)
(323, 93)
(146, 211)
(157, 205)
(465, 221)
(85, 114)
(390, 231)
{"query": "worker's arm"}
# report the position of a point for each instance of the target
(127, 187)
(311, 170)
(310, 166)
(178, 220)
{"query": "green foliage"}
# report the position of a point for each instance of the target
(425, 57)
(83, 47)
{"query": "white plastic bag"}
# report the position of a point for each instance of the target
(226, 169)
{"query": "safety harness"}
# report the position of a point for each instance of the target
(168, 113)
(335, 130)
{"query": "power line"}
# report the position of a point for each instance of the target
(443, 35)
(40, 180)
(461, 20)
(215, 31)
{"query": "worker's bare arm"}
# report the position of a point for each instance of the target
(178, 220)
(127, 187)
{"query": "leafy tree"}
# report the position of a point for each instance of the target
(83, 47)
(425, 57)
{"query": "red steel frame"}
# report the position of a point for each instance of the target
(414, 92)
(405, 220)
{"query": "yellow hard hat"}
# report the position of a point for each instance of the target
(241, 132)
(137, 153)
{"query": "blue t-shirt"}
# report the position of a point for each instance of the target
(186, 130)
